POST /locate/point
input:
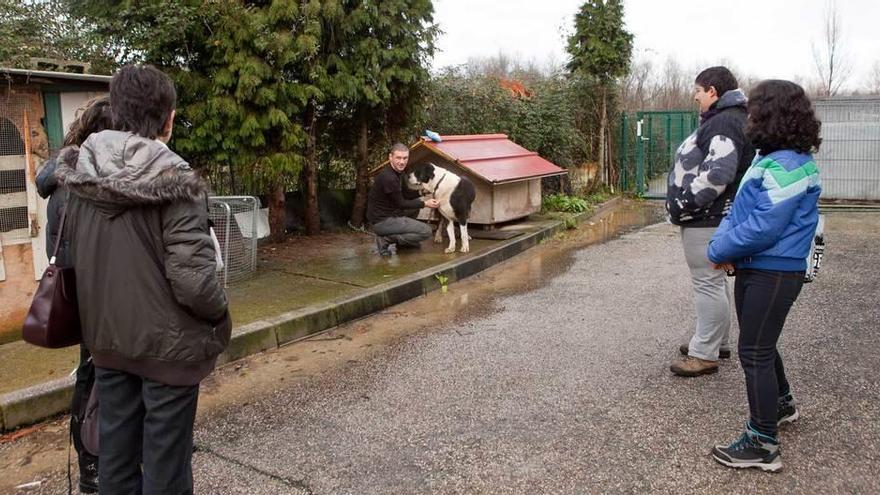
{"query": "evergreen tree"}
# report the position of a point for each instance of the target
(600, 50)
(390, 43)
(45, 29)
(260, 82)
(237, 68)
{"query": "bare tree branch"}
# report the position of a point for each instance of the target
(833, 64)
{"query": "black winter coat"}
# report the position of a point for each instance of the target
(150, 300)
(48, 187)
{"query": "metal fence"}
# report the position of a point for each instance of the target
(849, 158)
(13, 190)
(235, 220)
(646, 146)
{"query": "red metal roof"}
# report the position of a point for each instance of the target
(493, 157)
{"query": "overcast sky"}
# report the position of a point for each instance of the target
(763, 38)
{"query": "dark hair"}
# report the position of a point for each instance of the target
(93, 117)
(781, 117)
(398, 147)
(141, 99)
(718, 77)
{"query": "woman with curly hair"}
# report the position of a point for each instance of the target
(767, 239)
(93, 117)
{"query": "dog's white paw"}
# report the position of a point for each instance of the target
(438, 240)
(449, 250)
(465, 249)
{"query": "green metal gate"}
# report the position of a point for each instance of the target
(647, 142)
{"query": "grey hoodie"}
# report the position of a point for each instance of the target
(150, 300)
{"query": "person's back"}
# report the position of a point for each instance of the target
(148, 293)
(153, 311)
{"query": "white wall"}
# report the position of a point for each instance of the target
(73, 101)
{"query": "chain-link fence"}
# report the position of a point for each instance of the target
(849, 158)
(235, 220)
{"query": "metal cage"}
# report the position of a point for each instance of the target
(234, 219)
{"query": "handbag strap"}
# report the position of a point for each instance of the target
(60, 232)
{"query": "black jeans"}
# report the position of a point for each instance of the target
(85, 377)
(763, 299)
(143, 422)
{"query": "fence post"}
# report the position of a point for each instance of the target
(622, 179)
(640, 156)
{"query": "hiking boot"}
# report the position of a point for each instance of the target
(722, 353)
(693, 366)
(751, 450)
(88, 474)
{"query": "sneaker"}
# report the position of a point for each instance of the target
(786, 414)
(693, 366)
(383, 246)
(722, 353)
(751, 450)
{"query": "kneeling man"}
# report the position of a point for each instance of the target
(389, 201)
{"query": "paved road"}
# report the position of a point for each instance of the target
(549, 375)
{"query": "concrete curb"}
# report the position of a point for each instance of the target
(45, 400)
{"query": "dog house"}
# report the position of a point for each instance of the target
(36, 107)
(507, 176)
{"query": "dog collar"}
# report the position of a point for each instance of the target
(438, 184)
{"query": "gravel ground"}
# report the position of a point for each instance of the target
(549, 374)
(565, 389)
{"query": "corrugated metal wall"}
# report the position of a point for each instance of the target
(849, 158)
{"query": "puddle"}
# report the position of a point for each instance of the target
(467, 298)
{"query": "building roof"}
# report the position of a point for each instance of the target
(52, 75)
(492, 157)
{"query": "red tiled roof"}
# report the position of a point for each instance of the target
(493, 157)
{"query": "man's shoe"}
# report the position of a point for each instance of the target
(88, 476)
(722, 353)
(752, 450)
(693, 366)
(786, 414)
(383, 246)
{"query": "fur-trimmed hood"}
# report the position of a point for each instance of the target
(119, 170)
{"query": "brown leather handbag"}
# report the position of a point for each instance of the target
(53, 320)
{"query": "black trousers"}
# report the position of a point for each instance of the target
(146, 424)
(763, 300)
(85, 377)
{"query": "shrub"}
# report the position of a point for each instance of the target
(568, 204)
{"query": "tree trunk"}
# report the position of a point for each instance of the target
(232, 189)
(362, 176)
(277, 211)
(603, 124)
(312, 214)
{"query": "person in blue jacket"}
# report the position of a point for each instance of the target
(766, 239)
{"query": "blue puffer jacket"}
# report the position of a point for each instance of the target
(774, 215)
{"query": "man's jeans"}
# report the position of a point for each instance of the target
(763, 299)
(403, 231)
(710, 295)
(149, 423)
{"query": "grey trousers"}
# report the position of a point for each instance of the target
(403, 231)
(711, 297)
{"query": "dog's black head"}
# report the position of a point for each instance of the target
(422, 173)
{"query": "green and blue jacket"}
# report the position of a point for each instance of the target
(774, 215)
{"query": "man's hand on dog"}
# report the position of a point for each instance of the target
(432, 203)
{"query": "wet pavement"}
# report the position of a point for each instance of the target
(291, 275)
(545, 374)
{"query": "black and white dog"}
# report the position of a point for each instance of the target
(455, 195)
